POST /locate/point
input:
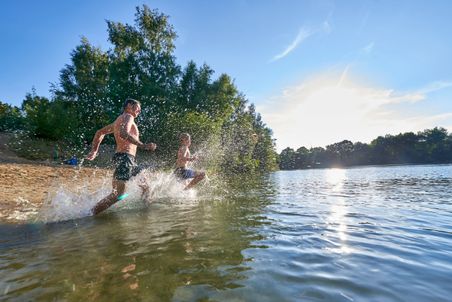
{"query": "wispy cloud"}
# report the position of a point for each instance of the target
(302, 35)
(330, 107)
(435, 86)
(369, 47)
(326, 26)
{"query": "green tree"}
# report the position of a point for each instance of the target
(36, 109)
(287, 159)
(10, 118)
(340, 153)
(141, 64)
(83, 93)
(428, 146)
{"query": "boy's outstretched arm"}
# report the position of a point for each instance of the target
(97, 140)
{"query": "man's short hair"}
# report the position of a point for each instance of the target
(130, 101)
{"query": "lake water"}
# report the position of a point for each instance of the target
(359, 234)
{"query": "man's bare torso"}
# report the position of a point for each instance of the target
(122, 145)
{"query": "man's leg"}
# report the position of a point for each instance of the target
(198, 177)
(119, 188)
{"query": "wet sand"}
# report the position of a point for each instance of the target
(26, 185)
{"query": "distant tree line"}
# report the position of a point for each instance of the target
(431, 146)
(141, 64)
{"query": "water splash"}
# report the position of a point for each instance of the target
(26, 209)
(74, 202)
(147, 187)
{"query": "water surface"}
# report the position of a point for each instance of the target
(360, 234)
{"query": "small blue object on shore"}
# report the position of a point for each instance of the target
(73, 161)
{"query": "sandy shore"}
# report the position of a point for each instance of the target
(25, 186)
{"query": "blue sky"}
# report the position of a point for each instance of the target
(318, 71)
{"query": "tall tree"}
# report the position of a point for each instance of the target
(10, 118)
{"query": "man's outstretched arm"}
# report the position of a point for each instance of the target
(98, 139)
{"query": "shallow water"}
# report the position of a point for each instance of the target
(361, 234)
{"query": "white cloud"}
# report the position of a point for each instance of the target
(303, 33)
(331, 107)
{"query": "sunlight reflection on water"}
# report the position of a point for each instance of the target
(338, 208)
(362, 234)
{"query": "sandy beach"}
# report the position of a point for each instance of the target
(25, 186)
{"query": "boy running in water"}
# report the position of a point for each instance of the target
(184, 156)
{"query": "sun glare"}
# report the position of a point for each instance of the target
(332, 107)
(338, 210)
(336, 177)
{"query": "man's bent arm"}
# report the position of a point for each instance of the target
(125, 129)
(97, 140)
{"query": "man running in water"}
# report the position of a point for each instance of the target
(127, 140)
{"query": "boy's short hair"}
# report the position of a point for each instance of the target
(183, 136)
(130, 101)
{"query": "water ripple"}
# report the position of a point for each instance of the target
(362, 234)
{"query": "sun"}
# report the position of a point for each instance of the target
(330, 108)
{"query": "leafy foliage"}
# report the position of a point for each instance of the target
(10, 118)
(431, 146)
(141, 65)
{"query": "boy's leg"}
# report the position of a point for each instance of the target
(119, 187)
(198, 177)
(145, 190)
